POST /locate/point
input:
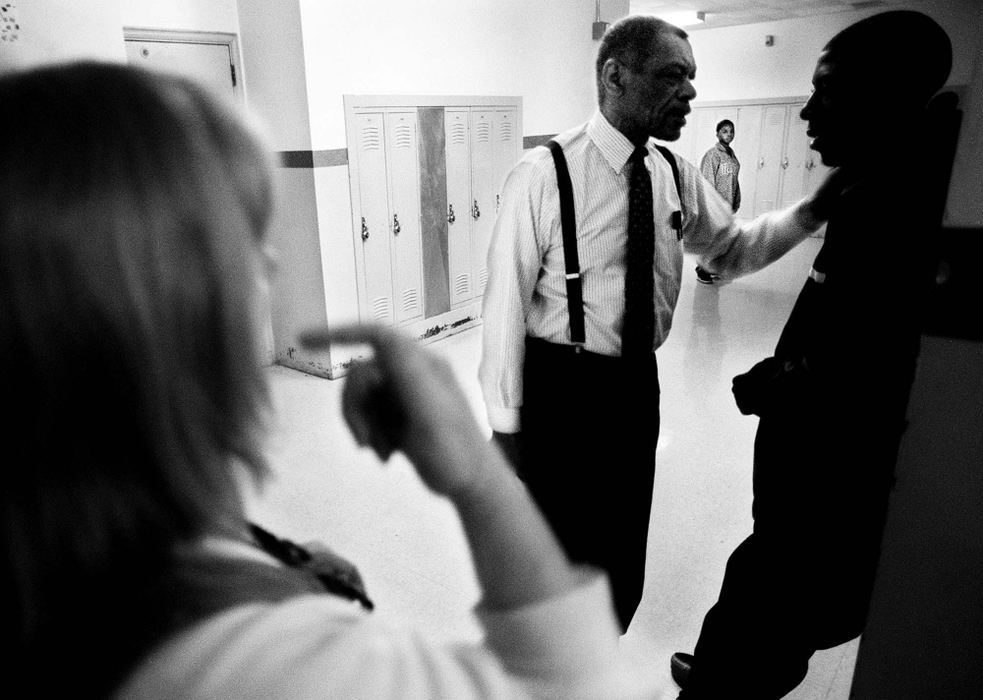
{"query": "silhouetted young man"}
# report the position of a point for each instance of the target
(832, 399)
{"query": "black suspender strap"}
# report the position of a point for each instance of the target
(677, 216)
(568, 222)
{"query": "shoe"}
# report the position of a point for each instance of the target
(680, 666)
(704, 276)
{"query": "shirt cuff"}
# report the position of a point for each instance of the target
(566, 636)
(504, 420)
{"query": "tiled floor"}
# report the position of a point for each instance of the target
(409, 545)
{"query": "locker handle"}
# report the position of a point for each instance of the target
(785, 163)
(450, 214)
(761, 163)
(396, 228)
(475, 211)
(810, 165)
(365, 230)
(498, 202)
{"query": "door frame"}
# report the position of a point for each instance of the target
(181, 36)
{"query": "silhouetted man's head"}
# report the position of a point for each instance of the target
(881, 70)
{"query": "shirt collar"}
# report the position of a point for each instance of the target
(613, 145)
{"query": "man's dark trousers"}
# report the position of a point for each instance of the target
(590, 424)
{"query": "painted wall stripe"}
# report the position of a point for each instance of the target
(339, 156)
(313, 159)
(533, 141)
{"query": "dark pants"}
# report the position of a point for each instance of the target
(802, 581)
(590, 424)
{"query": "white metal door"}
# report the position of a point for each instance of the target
(457, 149)
(209, 64)
(704, 136)
(506, 149)
(373, 229)
(769, 165)
(404, 224)
(483, 191)
(796, 155)
(746, 145)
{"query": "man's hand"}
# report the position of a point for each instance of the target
(752, 390)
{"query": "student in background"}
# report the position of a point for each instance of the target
(132, 258)
(721, 167)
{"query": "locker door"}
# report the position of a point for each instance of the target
(377, 277)
(685, 146)
(458, 155)
(769, 170)
(483, 191)
(796, 154)
(815, 171)
(404, 222)
(704, 136)
(746, 145)
(506, 149)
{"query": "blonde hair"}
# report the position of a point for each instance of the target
(133, 208)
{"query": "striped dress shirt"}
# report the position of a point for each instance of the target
(526, 290)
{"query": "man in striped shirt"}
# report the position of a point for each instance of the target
(578, 421)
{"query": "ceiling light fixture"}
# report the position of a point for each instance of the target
(682, 18)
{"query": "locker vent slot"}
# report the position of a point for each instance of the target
(505, 131)
(462, 285)
(459, 134)
(483, 132)
(483, 277)
(371, 138)
(411, 299)
(403, 137)
(380, 308)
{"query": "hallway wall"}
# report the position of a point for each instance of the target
(733, 63)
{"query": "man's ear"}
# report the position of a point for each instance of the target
(612, 76)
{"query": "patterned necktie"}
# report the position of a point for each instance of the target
(638, 333)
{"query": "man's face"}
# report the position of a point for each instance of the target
(837, 112)
(725, 134)
(656, 98)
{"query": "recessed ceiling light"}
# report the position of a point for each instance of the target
(682, 18)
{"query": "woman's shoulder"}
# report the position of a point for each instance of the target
(311, 646)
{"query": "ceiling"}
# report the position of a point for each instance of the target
(725, 13)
